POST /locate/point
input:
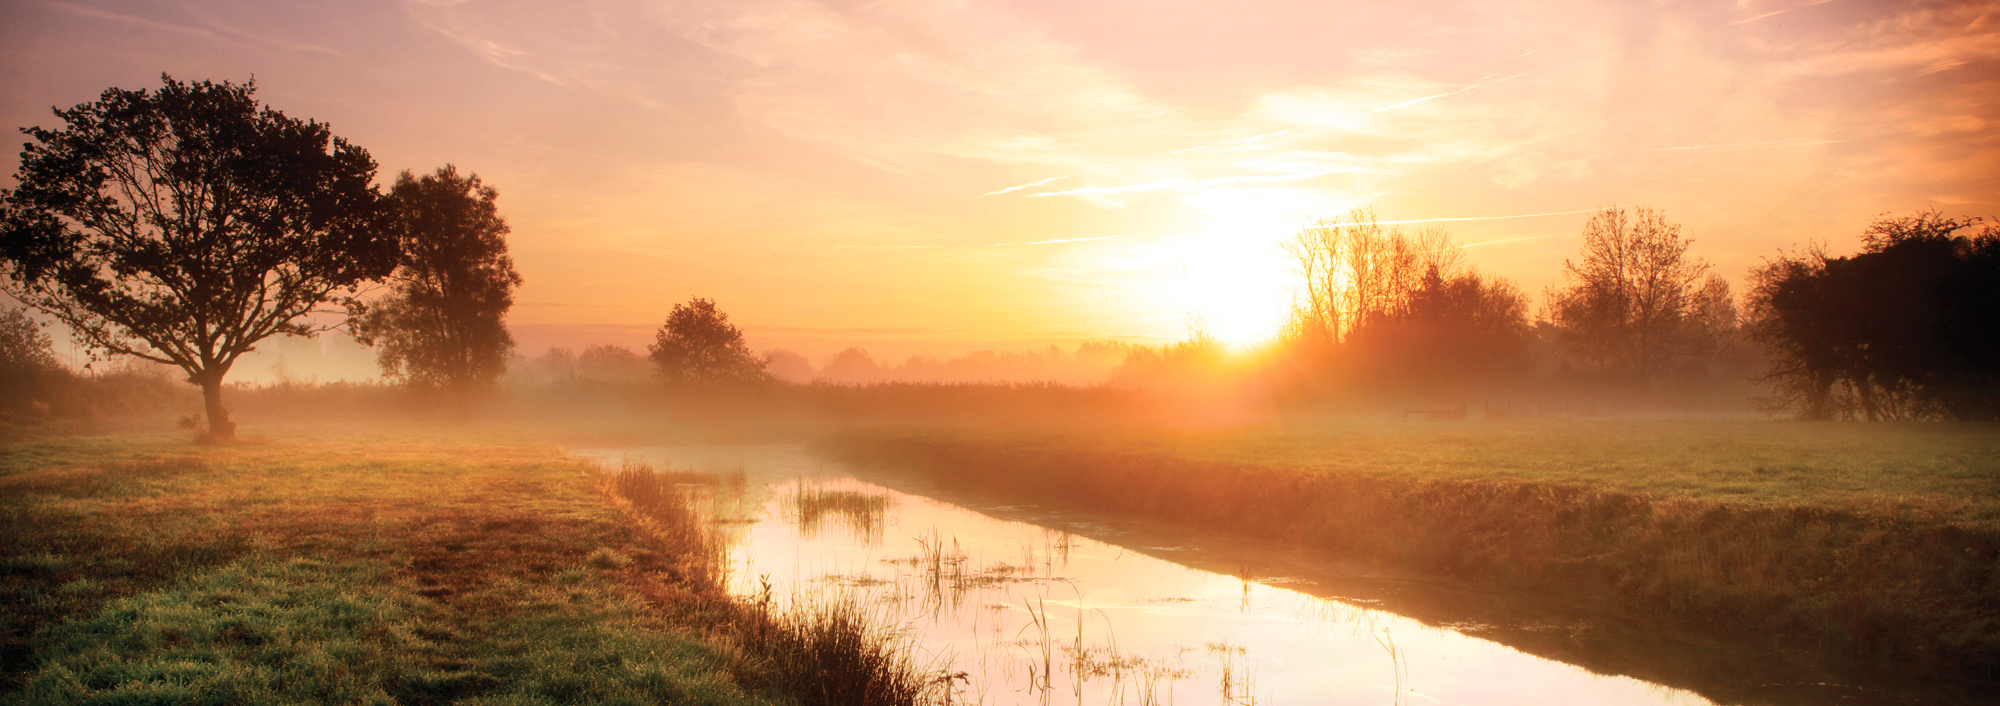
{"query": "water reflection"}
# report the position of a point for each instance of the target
(1045, 614)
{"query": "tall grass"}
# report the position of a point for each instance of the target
(861, 513)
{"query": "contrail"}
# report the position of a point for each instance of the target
(1733, 146)
(1195, 183)
(1488, 218)
(1011, 189)
(1504, 241)
(1779, 12)
(1058, 241)
(1408, 103)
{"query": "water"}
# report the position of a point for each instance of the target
(1037, 607)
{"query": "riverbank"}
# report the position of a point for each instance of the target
(1849, 540)
(379, 565)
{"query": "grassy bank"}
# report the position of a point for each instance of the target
(1859, 539)
(386, 567)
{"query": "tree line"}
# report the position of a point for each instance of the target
(186, 224)
(1907, 329)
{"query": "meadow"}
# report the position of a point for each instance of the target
(1879, 541)
(389, 564)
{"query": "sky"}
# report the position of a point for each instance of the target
(939, 176)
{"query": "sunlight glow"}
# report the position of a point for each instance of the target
(1235, 274)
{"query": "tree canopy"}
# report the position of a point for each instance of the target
(444, 323)
(698, 346)
(1909, 328)
(1635, 301)
(186, 224)
(1402, 310)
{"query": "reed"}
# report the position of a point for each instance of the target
(861, 513)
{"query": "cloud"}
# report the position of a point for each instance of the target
(1775, 13)
(96, 13)
(1488, 218)
(1415, 101)
(1029, 185)
(1194, 184)
(214, 30)
(1734, 146)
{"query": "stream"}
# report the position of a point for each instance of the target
(1039, 606)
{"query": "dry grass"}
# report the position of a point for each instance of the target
(1868, 539)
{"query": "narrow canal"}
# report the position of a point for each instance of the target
(1039, 607)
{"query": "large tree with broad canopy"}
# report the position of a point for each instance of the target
(185, 225)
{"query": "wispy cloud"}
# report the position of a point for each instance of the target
(1734, 146)
(1057, 241)
(97, 13)
(1775, 13)
(1182, 184)
(1052, 241)
(1504, 241)
(1415, 101)
(1012, 189)
(1488, 218)
(214, 30)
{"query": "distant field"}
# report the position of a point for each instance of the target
(1949, 469)
(1864, 539)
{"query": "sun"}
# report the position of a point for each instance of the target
(1238, 285)
(1237, 277)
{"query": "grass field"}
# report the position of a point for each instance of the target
(363, 566)
(1861, 539)
(1949, 470)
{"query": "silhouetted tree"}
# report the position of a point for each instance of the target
(183, 226)
(1454, 328)
(1907, 329)
(444, 323)
(698, 346)
(1632, 300)
(1394, 309)
(1356, 269)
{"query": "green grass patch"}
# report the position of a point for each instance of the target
(362, 565)
(1951, 471)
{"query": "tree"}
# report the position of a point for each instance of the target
(185, 225)
(444, 323)
(1456, 327)
(27, 362)
(1632, 299)
(1907, 329)
(699, 346)
(1355, 269)
(1402, 309)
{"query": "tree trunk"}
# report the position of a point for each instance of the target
(219, 426)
